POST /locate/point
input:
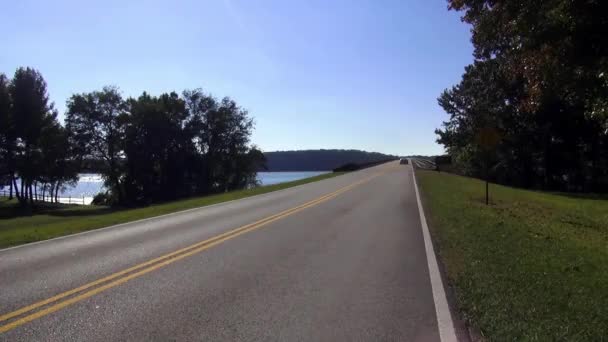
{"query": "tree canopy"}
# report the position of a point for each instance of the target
(148, 149)
(33, 144)
(540, 79)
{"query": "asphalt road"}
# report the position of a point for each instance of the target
(350, 266)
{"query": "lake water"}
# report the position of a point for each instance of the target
(268, 178)
(91, 184)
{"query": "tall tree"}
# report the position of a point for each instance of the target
(157, 148)
(95, 123)
(7, 135)
(58, 164)
(222, 132)
(30, 113)
(551, 56)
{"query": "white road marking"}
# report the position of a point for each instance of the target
(442, 309)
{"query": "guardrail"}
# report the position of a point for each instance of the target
(64, 200)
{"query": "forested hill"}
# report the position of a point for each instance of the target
(319, 160)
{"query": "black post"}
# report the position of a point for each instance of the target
(487, 196)
(487, 178)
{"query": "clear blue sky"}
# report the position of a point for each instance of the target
(314, 74)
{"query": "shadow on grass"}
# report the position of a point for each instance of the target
(80, 212)
(11, 209)
(580, 195)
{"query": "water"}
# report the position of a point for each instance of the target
(268, 178)
(90, 184)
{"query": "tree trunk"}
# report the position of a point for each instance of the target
(31, 194)
(56, 193)
(24, 192)
(23, 199)
(115, 179)
(595, 165)
(10, 194)
(17, 193)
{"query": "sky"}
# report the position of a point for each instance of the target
(313, 74)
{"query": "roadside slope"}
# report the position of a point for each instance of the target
(531, 266)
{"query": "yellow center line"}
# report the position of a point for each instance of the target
(156, 263)
(128, 270)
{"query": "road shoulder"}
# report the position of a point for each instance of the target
(450, 324)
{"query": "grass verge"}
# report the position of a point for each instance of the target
(531, 266)
(53, 221)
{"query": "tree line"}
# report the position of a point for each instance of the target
(320, 160)
(532, 110)
(148, 149)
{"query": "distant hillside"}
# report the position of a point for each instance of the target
(319, 160)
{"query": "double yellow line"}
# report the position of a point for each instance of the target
(115, 279)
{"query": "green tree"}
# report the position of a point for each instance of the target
(486, 98)
(58, 164)
(227, 131)
(7, 136)
(222, 132)
(95, 123)
(549, 98)
(30, 114)
(157, 148)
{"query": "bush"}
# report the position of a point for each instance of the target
(103, 198)
(347, 167)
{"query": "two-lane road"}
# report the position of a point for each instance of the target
(342, 259)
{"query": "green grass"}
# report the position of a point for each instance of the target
(532, 266)
(51, 221)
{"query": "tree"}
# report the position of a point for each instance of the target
(59, 165)
(539, 76)
(157, 148)
(95, 124)
(222, 132)
(247, 166)
(30, 114)
(199, 106)
(7, 136)
(487, 98)
(227, 131)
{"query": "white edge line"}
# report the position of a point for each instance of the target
(442, 309)
(96, 230)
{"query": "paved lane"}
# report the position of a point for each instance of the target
(349, 267)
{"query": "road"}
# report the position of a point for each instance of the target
(341, 259)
